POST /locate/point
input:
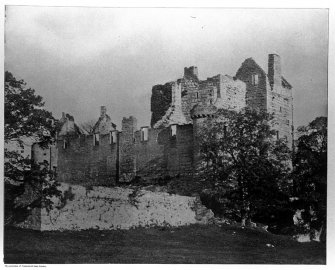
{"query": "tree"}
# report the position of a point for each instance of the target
(244, 163)
(88, 126)
(25, 117)
(310, 172)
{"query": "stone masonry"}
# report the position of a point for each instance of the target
(168, 147)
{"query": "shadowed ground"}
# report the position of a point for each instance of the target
(192, 244)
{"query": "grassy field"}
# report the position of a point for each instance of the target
(192, 244)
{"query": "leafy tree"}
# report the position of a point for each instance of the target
(25, 118)
(310, 171)
(244, 164)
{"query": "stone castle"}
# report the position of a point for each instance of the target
(166, 147)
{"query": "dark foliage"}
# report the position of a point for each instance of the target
(27, 184)
(243, 165)
(310, 172)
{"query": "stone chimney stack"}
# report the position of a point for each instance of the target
(191, 72)
(102, 111)
(176, 94)
(274, 71)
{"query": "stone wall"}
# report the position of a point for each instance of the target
(82, 162)
(232, 94)
(117, 208)
(270, 93)
(281, 107)
(162, 153)
(49, 154)
(127, 149)
(256, 90)
(149, 155)
(156, 155)
(179, 151)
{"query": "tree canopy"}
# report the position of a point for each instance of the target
(310, 169)
(25, 117)
(244, 162)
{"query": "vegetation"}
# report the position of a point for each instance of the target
(244, 164)
(27, 184)
(310, 173)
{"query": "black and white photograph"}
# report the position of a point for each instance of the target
(165, 135)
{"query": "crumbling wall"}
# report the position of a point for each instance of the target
(256, 90)
(230, 91)
(269, 93)
(118, 208)
(235, 92)
(161, 99)
(189, 92)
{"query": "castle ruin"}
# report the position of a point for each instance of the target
(167, 146)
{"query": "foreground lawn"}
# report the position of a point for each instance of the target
(192, 244)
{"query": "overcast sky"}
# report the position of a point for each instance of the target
(81, 58)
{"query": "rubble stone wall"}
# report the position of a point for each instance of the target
(117, 208)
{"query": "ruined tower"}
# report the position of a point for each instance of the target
(269, 92)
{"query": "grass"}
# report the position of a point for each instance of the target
(191, 244)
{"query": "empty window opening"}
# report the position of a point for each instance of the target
(224, 131)
(254, 79)
(113, 137)
(96, 139)
(65, 145)
(144, 134)
(174, 130)
(197, 95)
(277, 134)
